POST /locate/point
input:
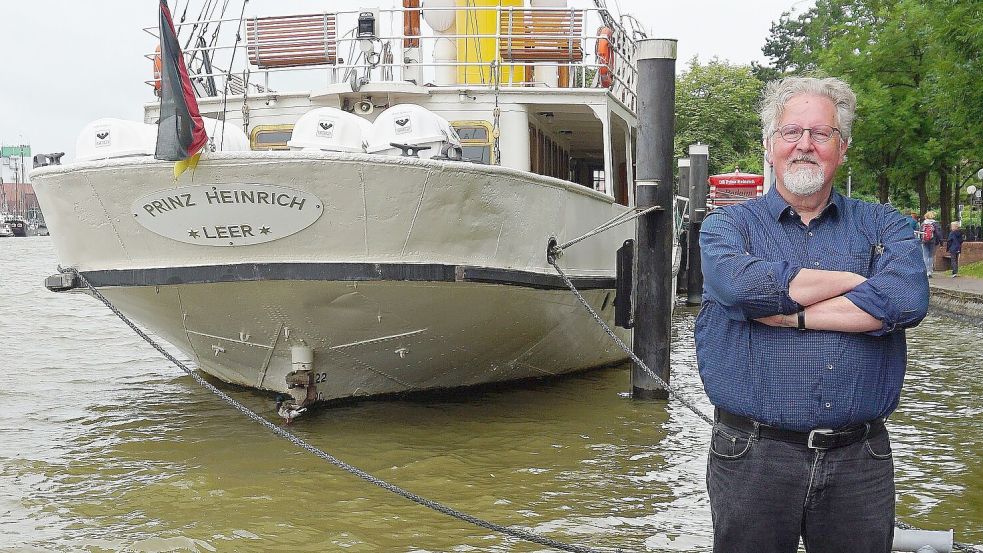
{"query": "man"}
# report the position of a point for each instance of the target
(801, 343)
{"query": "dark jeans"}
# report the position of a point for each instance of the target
(765, 493)
(955, 263)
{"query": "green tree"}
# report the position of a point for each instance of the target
(716, 105)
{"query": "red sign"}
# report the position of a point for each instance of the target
(737, 179)
(732, 188)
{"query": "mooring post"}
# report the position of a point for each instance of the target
(699, 156)
(653, 284)
(683, 191)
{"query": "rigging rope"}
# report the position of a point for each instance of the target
(301, 443)
(228, 76)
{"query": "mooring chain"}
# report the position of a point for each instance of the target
(551, 258)
(301, 443)
(619, 219)
(665, 385)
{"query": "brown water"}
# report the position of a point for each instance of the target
(105, 446)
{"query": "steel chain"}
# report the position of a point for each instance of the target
(665, 385)
(301, 443)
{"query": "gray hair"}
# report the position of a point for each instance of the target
(778, 93)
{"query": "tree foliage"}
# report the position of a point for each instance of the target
(715, 105)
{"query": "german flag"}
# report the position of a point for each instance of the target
(181, 132)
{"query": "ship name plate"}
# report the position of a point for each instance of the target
(227, 214)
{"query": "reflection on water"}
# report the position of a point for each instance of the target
(106, 446)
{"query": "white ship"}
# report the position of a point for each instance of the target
(311, 252)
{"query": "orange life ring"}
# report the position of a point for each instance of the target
(605, 55)
(157, 69)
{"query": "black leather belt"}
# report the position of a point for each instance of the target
(821, 438)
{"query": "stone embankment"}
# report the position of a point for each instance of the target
(959, 298)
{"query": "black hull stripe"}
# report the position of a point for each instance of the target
(248, 272)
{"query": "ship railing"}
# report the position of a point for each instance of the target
(234, 63)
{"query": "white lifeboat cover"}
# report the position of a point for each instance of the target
(412, 125)
(441, 15)
(330, 129)
(225, 136)
(109, 138)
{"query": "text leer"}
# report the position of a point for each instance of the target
(226, 231)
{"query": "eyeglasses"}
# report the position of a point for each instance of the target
(819, 133)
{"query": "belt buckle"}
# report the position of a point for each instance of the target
(812, 434)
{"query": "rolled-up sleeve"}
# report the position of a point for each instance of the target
(897, 292)
(747, 287)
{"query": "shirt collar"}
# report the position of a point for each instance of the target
(777, 206)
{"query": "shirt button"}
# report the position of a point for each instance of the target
(830, 366)
(828, 405)
(810, 233)
(816, 264)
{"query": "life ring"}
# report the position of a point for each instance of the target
(157, 69)
(605, 55)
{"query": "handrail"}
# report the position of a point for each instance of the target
(349, 58)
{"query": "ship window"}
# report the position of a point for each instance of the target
(473, 133)
(476, 140)
(546, 157)
(477, 153)
(598, 178)
(270, 137)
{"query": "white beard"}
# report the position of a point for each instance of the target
(804, 180)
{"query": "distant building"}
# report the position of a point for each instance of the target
(18, 198)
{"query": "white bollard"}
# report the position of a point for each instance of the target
(922, 541)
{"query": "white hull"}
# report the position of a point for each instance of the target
(374, 338)
(417, 275)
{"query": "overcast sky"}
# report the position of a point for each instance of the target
(65, 63)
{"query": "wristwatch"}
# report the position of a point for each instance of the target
(802, 319)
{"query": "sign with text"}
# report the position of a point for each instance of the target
(15, 151)
(227, 214)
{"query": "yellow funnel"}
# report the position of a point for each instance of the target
(480, 47)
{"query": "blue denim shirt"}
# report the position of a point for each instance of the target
(801, 380)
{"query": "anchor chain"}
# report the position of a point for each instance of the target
(313, 450)
(665, 385)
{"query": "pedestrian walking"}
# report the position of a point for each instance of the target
(931, 236)
(954, 245)
(801, 341)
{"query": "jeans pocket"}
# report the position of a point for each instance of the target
(879, 447)
(729, 444)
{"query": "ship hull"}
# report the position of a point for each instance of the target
(415, 275)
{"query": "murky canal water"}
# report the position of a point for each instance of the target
(105, 446)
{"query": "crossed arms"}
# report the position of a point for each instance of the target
(820, 293)
(771, 292)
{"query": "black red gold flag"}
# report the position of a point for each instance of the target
(181, 133)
